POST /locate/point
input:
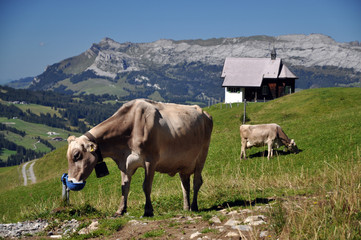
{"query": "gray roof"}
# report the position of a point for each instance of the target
(249, 72)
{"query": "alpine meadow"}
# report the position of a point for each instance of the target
(315, 194)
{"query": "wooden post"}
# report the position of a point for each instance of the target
(244, 112)
(65, 195)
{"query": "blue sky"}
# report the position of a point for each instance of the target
(37, 33)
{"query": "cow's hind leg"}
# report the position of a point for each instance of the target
(197, 179)
(147, 188)
(185, 179)
(197, 183)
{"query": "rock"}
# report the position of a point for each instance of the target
(56, 236)
(223, 211)
(220, 228)
(232, 212)
(194, 235)
(232, 234)
(232, 222)
(255, 220)
(215, 219)
(246, 211)
(91, 228)
(263, 234)
(22, 228)
(243, 228)
(83, 231)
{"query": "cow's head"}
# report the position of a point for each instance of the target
(81, 158)
(292, 146)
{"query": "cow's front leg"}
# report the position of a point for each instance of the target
(270, 150)
(147, 188)
(185, 179)
(243, 149)
(126, 178)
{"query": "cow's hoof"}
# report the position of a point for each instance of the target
(194, 208)
(148, 214)
(119, 213)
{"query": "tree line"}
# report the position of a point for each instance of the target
(75, 111)
(4, 127)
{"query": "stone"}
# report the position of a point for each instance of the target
(246, 211)
(263, 234)
(22, 228)
(223, 211)
(215, 219)
(232, 212)
(194, 235)
(91, 228)
(232, 222)
(255, 220)
(243, 228)
(232, 234)
(56, 236)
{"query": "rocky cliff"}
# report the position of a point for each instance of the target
(190, 69)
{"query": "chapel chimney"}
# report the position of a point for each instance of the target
(273, 54)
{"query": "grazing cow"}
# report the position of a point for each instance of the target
(260, 135)
(163, 137)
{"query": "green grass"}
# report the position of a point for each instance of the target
(317, 191)
(154, 233)
(38, 109)
(97, 86)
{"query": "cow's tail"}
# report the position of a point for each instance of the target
(209, 121)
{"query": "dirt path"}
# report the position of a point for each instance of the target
(28, 173)
(23, 171)
(35, 145)
(31, 172)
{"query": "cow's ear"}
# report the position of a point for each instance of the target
(71, 138)
(90, 147)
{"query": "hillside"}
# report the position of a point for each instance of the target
(317, 187)
(189, 70)
(36, 122)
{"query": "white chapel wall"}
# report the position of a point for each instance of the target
(233, 97)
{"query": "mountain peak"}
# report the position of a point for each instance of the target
(107, 40)
(115, 67)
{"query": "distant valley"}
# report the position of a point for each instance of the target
(33, 123)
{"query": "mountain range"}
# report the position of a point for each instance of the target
(190, 70)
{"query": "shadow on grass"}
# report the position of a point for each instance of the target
(275, 153)
(239, 203)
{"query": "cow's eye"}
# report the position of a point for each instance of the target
(77, 156)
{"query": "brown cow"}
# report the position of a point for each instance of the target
(163, 137)
(260, 135)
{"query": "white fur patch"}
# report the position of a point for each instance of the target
(74, 180)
